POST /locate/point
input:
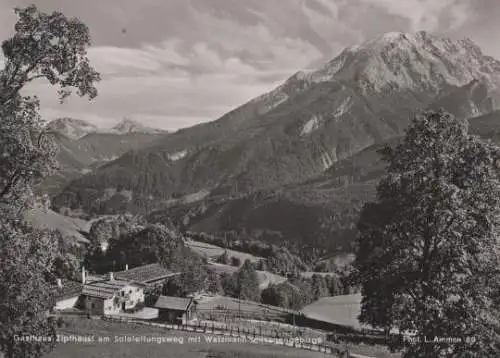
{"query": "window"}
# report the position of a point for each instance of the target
(123, 293)
(130, 292)
(92, 305)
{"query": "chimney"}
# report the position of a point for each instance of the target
(59, 283)
(111, 277)
(126, 267)
(84, 275)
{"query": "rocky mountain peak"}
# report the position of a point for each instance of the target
(130, 126)
(71, 127)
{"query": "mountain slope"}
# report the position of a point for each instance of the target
(299, 130)
(320, 213)
(296, 165)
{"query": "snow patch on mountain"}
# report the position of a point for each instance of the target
(130, 126)
(104, 158)
(178, 155)
(327, 160)
(268, 101)
(328, 72)
(311, 125)
(343, 108)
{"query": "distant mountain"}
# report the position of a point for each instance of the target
(71, 127)
(280, 161)
(83, 147)
(127, 126)
(77, 128)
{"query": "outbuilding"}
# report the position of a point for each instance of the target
(176, 310)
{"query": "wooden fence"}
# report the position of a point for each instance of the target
(244, 334)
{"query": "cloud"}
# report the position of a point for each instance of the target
(170, 85)
(184, 62)
(425, 14)
(180, 82)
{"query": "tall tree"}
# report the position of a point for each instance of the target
(428, 254)
(319, 287)
(248, 282)
(50, 47)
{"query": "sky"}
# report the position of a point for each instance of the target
(176, 63)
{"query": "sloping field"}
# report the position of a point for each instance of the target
(265, 278)
(69, 227)
(229, 303)
(309, 274)
(342, 310)
(213, 251)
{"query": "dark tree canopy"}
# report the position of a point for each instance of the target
(428, 250)
(46, 47)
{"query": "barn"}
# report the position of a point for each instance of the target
(177, 310)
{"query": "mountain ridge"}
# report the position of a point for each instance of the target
(74, 128)
(300, 131)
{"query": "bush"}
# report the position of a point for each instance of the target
(235, 261)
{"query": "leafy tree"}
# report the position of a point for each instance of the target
(152, 244)
(229, 284)
(274, 295)
(194, 274)
(50, 47)
(214, 283)
(248, 282)
(223, 258)
(428, 254)
(334, 285)
(106, 231)
(25, 296)
(69, 258)
(44, 46)
(319, 287)
(235, 261)
(287, 295)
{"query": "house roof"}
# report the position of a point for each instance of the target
(106, 289)
(69, 289)
(174, 303)
(145, 274)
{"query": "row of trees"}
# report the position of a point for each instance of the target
(50, 47)
(277, 259)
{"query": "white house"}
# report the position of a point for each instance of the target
(112, 296)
